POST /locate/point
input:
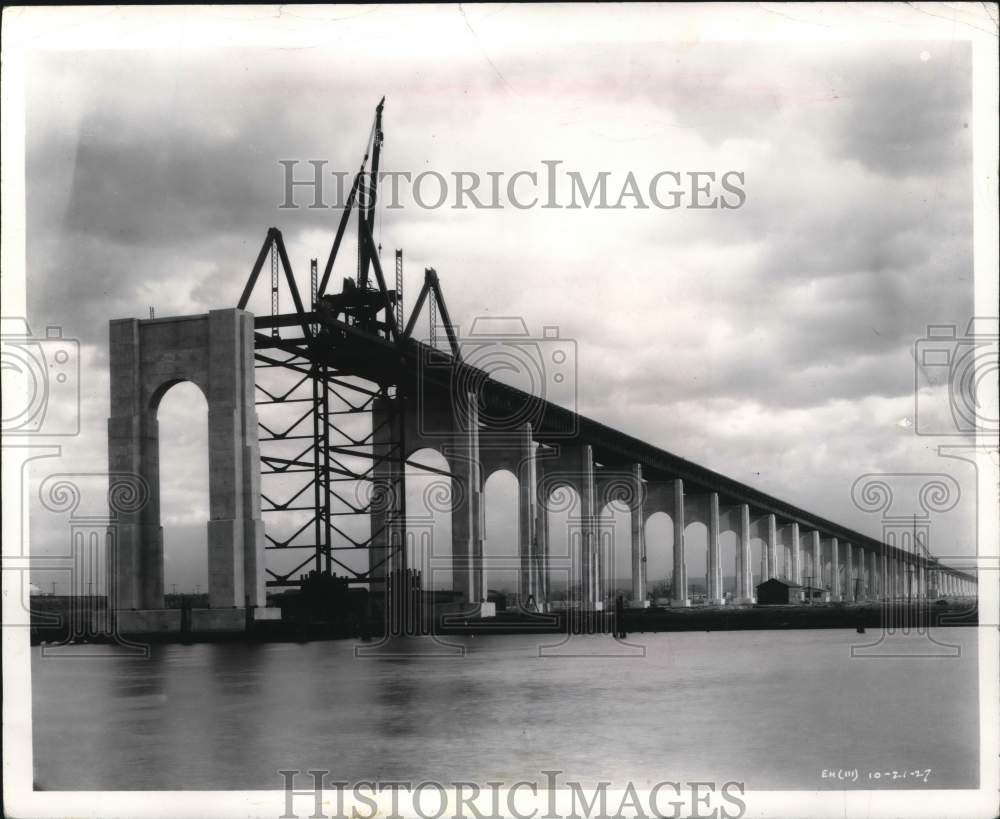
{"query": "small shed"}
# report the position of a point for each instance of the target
(498, 598)
(774, 592)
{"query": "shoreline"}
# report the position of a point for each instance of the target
(868, 615)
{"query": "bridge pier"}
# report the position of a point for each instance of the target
(638, 539)
(468, 572)
(744, 580)
(796, 555)
(680, 585)
(816, 550)
(591, 554)
(835, 593)
(541, 534)
(849, 586)
(215, 352)
(771, 569)
(527, 542)
(714, 589)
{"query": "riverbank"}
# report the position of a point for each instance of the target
(867, 615)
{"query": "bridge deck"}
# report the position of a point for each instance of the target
(361, 354)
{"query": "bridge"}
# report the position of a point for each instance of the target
(330, 402)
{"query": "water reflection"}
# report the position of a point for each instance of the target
(767, 708)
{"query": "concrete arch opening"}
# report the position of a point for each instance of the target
(696, 559)
(430, 497)
(827, 566)
(659, 533)
(181, 411)
(564, 536)
(501, 565)
(808, 566)
(616, 548)
(729, 550)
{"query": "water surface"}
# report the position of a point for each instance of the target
(772, 709)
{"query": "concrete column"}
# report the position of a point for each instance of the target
(467, 513)
(896, 577)
(526, 517)
(817, 557)
(590, 554)
(873, 589)
(638, 518)
(136, 561)
(858, 562)
(848, 591)
(541, 535)
(680, 566)
(796, 555)
(745, 590)
(235, 530)
(772, 547)
(863, 580)
(835, 592)
(714, 567)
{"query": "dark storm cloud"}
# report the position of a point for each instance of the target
(909, 116)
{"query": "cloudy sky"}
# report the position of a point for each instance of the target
(771, 342)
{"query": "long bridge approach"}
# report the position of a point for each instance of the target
(364, 395)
